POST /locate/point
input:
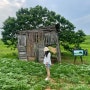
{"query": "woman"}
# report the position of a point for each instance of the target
(47, 61)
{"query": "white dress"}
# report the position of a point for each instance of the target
(47, 60)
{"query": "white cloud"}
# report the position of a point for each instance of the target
(9, 8)
(9, 3)
(19, 3)
(4, 3)
(76, 11)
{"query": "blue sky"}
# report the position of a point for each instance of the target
(76, 11)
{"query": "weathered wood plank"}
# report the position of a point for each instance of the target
(32, 42)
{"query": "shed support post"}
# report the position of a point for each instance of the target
(58, 49)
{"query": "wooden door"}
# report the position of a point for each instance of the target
(30, 46)
(22, 46)
(34, 42)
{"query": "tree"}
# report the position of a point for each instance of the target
(9, 32)
(79, 38)
(28, 19)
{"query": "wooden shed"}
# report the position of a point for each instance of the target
(32, 42)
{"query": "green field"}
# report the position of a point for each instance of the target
(21, 75)
(6, 52)
(67, 57)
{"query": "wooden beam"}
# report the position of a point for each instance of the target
(58, 49)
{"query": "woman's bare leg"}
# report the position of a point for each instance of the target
(48, 72)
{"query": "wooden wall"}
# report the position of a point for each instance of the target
(32, 42)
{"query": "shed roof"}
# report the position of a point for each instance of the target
(44, 29)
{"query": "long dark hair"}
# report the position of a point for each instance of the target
(46, 53)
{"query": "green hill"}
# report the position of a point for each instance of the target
(68, 57)
(6, 52)
(86, 45)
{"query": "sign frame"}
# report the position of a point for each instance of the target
(78, 52)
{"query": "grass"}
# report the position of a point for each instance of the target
(6, 52)
(21, 75)
(86, 45)
(68, 57)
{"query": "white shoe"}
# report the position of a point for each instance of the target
(46, 79)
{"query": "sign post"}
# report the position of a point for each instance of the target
(78, 52)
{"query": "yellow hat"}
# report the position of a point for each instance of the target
(46, 49)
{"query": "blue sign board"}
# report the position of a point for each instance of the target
(78, 52)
